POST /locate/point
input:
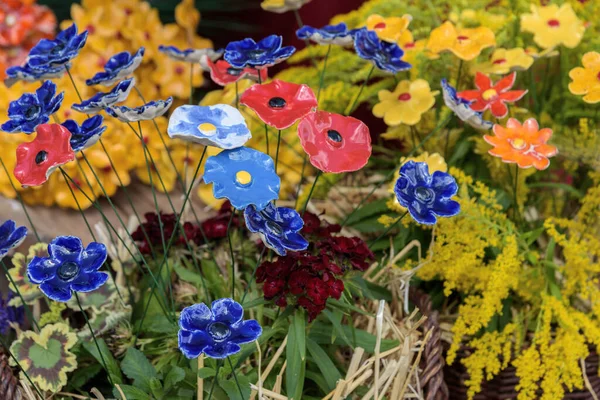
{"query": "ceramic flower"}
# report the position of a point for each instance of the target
(392, 29)
(103, 100)
(222, 73)
(335, 143)
(282, 6)
(87, 134)
(244, 176)
(32, 109)
(386, 56)
(59, 51)
(220, 125)
(23, 22)
(216, 332)
(405, 104)
(10, 237)
(464, 43)
(262, 54)
(552, 26)
(493, 96)
(586, 80)
(27, 74)
(190, 55)
(278, 228)
(36, 160)
(329, 34)
(278, 103)
(9, 315)
(504, 61)
(426, 196)
(462, 108)
(148, 111)
(526, 145)
(118, 67)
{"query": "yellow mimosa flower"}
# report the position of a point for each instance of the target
(465, 43)
(553, 25)
(406, 103)
(586, 80)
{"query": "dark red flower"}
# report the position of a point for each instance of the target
(492, 96)
(280, 104)
(314, 226)
(150, 235)
(335, 143)
(348, 249)
(216, 227)
(37, 159)
(222, 73)
(313, 309)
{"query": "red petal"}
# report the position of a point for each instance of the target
(512, 96)
(483, 82)
(499, 109)
(505, 83)
(469, 94)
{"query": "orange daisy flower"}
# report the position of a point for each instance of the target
(526, 145)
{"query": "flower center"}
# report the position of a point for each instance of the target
(499, 61)
(334, 137)
(424, 194)
(518, 144)
(32, 112)
(409, 45)
(553, 23)
(243, 178)
(67, 271)
(404, 97)
(207, 129)
(598, 76)
(274, 228)
(41, 157)
(57, 49)
(234, 71)
(462, 38)
(256, 54)
(277, 102)
(91, 29)
(380, 25)
(219, 331)
(10, 20)
(489, 94)
(179, 70)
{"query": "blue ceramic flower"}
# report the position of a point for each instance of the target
(218, 333)
(68, 268)
(462, 108)
(33, 109)
(266, 53)
(386, 56)
(102, 100)
(10, 237)
(426, 196)
(117, 67)
(10, 314)
(220, 126)
(190, 55)
(244, 176)
(329, 34)
(148, 111)
(87, 134)
(59, 51)
(28, 74)
(278, 227)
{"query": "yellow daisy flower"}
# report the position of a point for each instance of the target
(281, 6)
(504, 61)
(392, 29)
(465, 43)
(586, 80)
(406, 103)
(553, 25)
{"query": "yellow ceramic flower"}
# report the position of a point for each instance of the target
(586, 80)
(281, 6)
(465, 43)
(173, 77)
(406, 103)
(392, 29)
(553, 25)
(187, 16)
(144, 28)
(504, 61)
(535, 53)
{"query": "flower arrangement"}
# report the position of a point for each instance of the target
(450, 150)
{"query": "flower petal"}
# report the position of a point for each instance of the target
(88, 282)
(92, 258)
(221, 350)
(56, 290)
(505, 83)
(482, 81)
(245, 332)
(193, 343)
(195, 317)
(41, 269)
(227, 311)
(65, 248)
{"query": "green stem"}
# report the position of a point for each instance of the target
(300, 182)
(235, 377)
(231, 252)
(277, 151)
(362, 87)
(311, 192)
(253, 274)
(321, 80)
(516, 188)
(215, 380)
(388, 230)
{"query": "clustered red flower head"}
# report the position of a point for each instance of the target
(310, 277)
(216, 227)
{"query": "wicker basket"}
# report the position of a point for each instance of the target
(9, 384)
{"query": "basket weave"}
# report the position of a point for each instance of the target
(9, 384)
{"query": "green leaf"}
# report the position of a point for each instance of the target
(111, 364)
(186, 275)
(159, 323)
(156, 388)
(233, 391)
(321, 333)
(346, 306)
(556, 185)
(327, 367)
(337, 326)
(206, 372)
(137, 367)
(377, 207)
(296, 362)
(131, 393)
(81, 376)
(299, 324)
(372, 290)
(259, 301)
(173, 377)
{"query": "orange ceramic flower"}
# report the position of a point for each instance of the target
(392, 29)
(526, 145)
(586, 80)
(552, 26)
(465, 43)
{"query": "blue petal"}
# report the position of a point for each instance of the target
(41, 269)
(11, 126)
(65, 248)
(92, 258)
(271, 43)
(193, 343)
(245, 332)
(416, 172)
(221, 350)
(421, 214)
(195, 317)
(6, 229)
(448, 208)
(88, 282)
(227, 311)
(444, 184)
(56, 290)
(46, 92)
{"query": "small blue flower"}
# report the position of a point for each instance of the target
(244, 176)
(117, 67)
(148, 111)
(266, 53)
(278, 227)
(329, 34)
(10, 237)
(102, 100)
(190, 55)
(28, 74)
(86, 135)
(426, 196)
(386, 56)
(462, 108)
(68, 268)
(33, 109)
(218, 333)
(220, 126)
(10, 314)
(59, 51)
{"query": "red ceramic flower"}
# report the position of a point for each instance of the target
(280, 104)
(335, 143)
(222, 73)
(493, 96)
(50, 149)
